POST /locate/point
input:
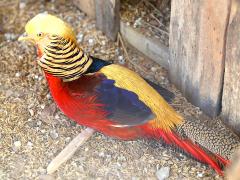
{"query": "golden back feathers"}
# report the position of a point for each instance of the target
(166, 117)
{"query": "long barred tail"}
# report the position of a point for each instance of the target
(207, 140)
(196, 150)
(193, 149)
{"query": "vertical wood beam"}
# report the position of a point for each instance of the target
(87, 6)
(197, 46)
(108, 17)
(231, 88)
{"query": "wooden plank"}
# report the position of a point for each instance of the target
(231, 88)
(152, 48)
(87, 6)
(197, 45)
(108, 17)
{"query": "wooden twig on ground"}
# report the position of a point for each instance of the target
(159, 22)
(157, 28)
(69, 150)
(120, 40)
(155, 9)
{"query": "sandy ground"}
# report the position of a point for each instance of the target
(33, 131)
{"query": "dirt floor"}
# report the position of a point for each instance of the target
(33, 131)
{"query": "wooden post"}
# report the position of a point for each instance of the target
(108, 17)
(231, 88)
(87, 6)
(197, 46)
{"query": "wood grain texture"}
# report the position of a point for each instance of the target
(87, 6)
(153, 49)
(108, 17)
(197, 45)
(231, 88)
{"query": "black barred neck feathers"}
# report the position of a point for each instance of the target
(64, 58)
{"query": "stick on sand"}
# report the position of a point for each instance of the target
(69, 150)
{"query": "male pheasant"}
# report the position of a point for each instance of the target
(115, 100)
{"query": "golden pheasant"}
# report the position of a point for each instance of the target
(115, 100)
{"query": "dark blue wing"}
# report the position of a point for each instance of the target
(165, 93)
(124, 107)
(99, 63)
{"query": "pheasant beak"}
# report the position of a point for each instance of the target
(26, 37)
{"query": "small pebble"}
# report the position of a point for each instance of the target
(31, 112)
(29, 145)
(68, 139)
(18, 74)
(40, 78)
(10, 36)
(101, 154)
(22, 5)
(16, 145)
(53, 134)
(199, 174)
(163, 173)
(36, 76)
(103, 43)
(121, 60)
(39, 123)
(48, 96)
(80, 37)
(43, 131)
(91, 42)
(153, 69)
(137, 22)
(57, 116)
(117, 51)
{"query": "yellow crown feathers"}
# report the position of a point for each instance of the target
(46, 23)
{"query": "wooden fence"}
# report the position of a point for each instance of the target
(203, 58)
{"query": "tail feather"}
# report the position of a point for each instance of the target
(225, 162)
(195, 150)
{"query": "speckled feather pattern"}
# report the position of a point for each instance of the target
(212, 135)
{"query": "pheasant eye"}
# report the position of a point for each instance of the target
(39, 34)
